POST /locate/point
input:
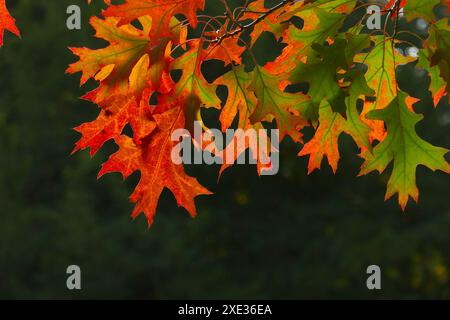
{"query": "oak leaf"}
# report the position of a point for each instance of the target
(153, 159)
(6, 22)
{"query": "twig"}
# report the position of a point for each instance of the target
(263, 16)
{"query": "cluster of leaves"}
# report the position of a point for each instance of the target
(350, 76)
(6, 22)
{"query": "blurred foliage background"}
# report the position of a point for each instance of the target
(287, 236)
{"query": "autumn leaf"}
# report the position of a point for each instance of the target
(404, 148)
(382, 62)
(114, 64)
(273, 103)
(325, 141)
(191, 91)
(129, 70)
(6, 22)
(333, 124)
(356, 125)
(160, 12)
(240, 100)
(242, 103)
(319, 26)
(439, 56)
(153, 160)
(438, 86)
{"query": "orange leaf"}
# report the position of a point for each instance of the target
(160, 11)
(6, 22)
(153, 160)
(325, 140)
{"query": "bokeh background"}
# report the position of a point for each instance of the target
(287, 236)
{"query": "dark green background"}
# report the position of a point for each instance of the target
(288, 236)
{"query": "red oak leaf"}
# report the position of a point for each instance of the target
(160, 11)
(6, 22)
(153, 159)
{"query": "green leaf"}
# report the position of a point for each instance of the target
(321, 72)
(404, 148)
(438, 86)
(319, 25)
(439, 45)
(420, 9)
(355, 126)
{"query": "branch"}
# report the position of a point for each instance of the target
(242, 28)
